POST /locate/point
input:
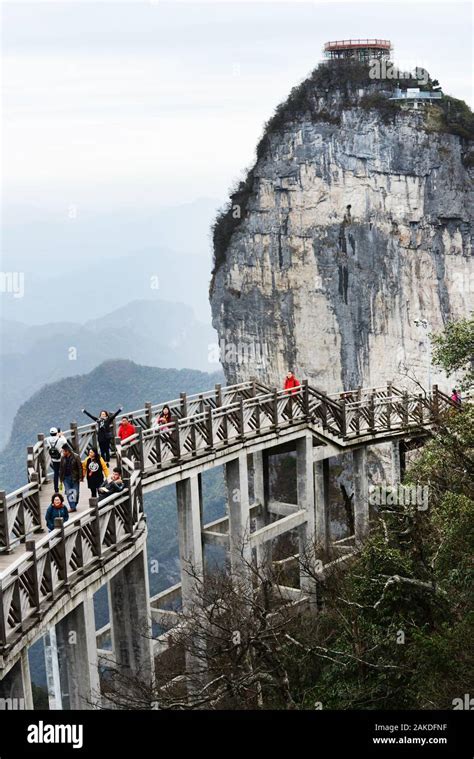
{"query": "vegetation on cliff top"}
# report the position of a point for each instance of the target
(314, 99)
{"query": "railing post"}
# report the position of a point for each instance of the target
(141, 453)
(43, 458)
(183, 401)
(59, 525)
(343, 418)
(218, 394)
(118, 452)
(30, 546)
(209, 432)
(94, 504)
(371, 408)
(74, 436)
(241, 419)
(138, 493)
(148, 414)
(4, 528)
(420, 408)
(324, 413)
(389, 404)
(435, 404)
(257, 417)
(3, 627)
(20, 519)
(253, 389)
(306, 400)
(406, 414)
(176, 441)
(37, 501)
(30, 462)
(275, 408)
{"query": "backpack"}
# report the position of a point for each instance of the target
(53, 451)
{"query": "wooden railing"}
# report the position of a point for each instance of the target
(52, 565)
(202, 423)
(356, 414)
(215, 419)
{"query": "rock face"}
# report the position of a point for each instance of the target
(354, 226)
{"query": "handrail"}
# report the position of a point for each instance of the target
(357, 42)
(52, 564)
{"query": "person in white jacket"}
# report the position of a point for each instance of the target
(54, 444)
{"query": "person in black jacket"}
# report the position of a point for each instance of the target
(95, 471)
(105, 431)
(71, 475)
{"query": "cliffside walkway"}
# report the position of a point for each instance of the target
(43, 575)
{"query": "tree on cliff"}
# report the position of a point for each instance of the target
(454, 350)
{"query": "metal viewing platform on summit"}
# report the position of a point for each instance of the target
(361, 49)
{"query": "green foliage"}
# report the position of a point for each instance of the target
(458, 117)
(454, 350)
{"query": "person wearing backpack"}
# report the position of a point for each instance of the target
(54, 444)
(105, 430)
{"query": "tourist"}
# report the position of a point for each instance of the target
(163, 420)
(105, 430)
(54, 444)
(95, 470)
(126, 428)
(291, 383)
(115, 485)
(71, 475)
(455, 397)
(56, 509)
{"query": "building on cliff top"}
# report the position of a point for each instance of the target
(362, 50)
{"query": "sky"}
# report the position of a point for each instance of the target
(110, 107)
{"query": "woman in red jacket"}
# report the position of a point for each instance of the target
(291, 383)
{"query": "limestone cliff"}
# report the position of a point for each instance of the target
(355, 221)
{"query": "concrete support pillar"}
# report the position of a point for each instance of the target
(361, 494)
(305, 499)
(189, 500)
(52, 670)
(15, 687)
(239, 514)
(190, 538)
(321, 497)
(261, 496)
(396, 462)
(77, 652)
(131, 620)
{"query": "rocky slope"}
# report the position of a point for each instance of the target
(355, 221)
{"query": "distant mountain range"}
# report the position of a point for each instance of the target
(152, 332)
(110, 385)
(82, 267)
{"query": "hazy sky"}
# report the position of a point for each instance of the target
(115, 105)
